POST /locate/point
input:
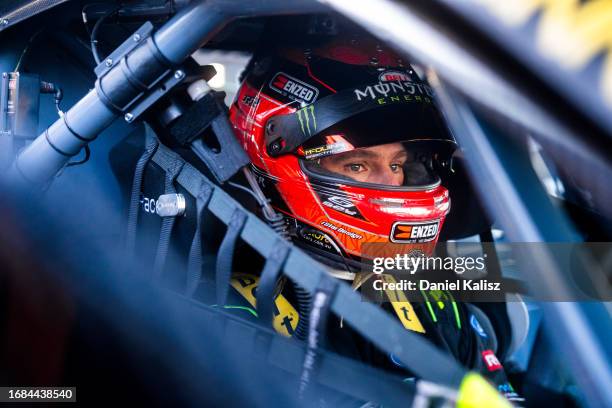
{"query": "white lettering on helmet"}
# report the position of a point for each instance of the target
(293, 88)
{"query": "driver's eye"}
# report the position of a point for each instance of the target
(395, 167)
(355, 167)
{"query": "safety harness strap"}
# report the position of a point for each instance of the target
(173, 166)
(268, 281)
(151, 145)
(225, 255)
(194, 262)
(321, 302)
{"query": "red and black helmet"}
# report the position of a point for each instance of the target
(346, 142)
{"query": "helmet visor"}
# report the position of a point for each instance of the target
(381, 147)
(389, 165)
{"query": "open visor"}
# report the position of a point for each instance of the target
(396, 165)
(399, 146)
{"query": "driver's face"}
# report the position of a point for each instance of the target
(379, 164)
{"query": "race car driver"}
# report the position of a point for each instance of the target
(346, 142)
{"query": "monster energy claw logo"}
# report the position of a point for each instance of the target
(306, 116)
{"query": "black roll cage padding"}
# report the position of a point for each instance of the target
(197, 118)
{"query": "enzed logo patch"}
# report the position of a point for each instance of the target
(409, 233)
(293, 88)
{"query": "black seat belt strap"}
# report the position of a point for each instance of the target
(319, 313)
(225, 256)
(268, 280)
(168, 222)
(151, 144)
(194, 263)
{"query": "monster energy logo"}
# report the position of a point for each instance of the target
(306, 116)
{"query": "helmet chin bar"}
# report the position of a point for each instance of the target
(133, 77)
